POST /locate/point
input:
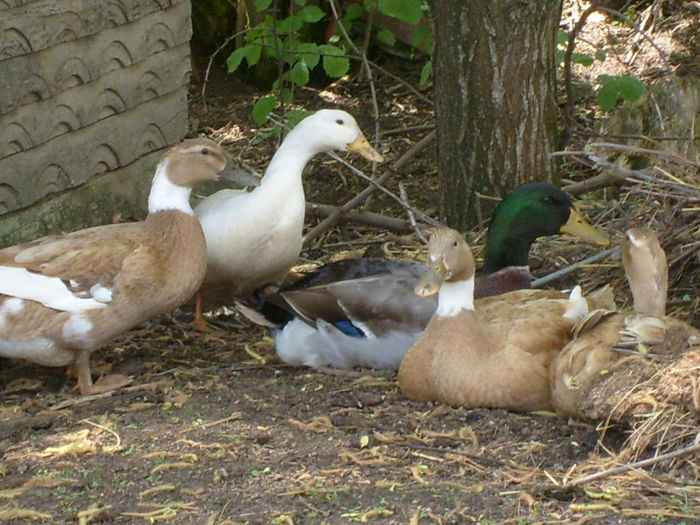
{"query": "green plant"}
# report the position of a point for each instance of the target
(612, 88)
(286, 41)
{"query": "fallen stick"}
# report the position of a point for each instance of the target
(560, 273)
(361, 217)
(634, 174)
(637, 464)
(595, 183)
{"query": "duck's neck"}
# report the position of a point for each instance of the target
(455, 297)
(165, 195)
(287, 165)
(506, 245)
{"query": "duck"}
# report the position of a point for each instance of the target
(364, 313)
(64, 296)
(494, 355)
(254, 238)
(591, 375)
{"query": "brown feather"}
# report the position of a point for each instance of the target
(498, 356)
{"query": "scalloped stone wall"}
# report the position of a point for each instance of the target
(91, 93)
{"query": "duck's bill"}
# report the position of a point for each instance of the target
(362, 147)
(236, 173)
(432, 281)
(579, 227)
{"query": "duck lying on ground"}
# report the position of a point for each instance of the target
(612, 352)
(496, 356)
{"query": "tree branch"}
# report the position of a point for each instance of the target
(360, 197)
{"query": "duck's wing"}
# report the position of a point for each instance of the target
(77, 270)
(370, 296)
(324, 345)
(630, 346)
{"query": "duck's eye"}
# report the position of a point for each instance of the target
(340, 121)
(205, 151)
(454, 244)
(548, 200)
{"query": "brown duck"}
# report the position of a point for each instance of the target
(496, 356)
(62, 297)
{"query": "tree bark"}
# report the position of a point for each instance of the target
(495, 103)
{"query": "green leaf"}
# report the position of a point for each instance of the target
(261, 5)
(630, 88)
(328, 49)
(409, 11)
(429, 42)
(252, 54)
(311, 14)
(294, 116)
(262, 108)
(386, 37)
(581, 58)
(607, 94)
(299, 74)
(420, 34)
(291, 24)
(353, 12)
(562, 37)
(234, 60)
(309, 53)
(300, 2)
(426, 73)
(600, 54)
(335, 67)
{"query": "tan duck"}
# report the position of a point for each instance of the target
(607, 341)
(62, 297)
(497, 356)
(254, 238)
(363, 312)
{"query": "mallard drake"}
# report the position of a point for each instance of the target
(62, 297)
(254, 238)
(606, 341)
(363, 312)
(495, 357)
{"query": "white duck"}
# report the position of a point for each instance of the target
(64, 296)
(254, 238)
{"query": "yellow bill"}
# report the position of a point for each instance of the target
(362, 147)
(432, 280)
(579, 227)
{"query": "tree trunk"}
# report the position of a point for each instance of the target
(495, 102)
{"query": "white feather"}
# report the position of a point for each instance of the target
(168, 196)
(77, 331)
(455, 297)
(299, 344)
(40, 350)
(577, 307)
(49, 291)
(10, 307)
(101, 294)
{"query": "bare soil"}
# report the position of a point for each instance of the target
(215, 430)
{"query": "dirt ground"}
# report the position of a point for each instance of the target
(215, 430)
